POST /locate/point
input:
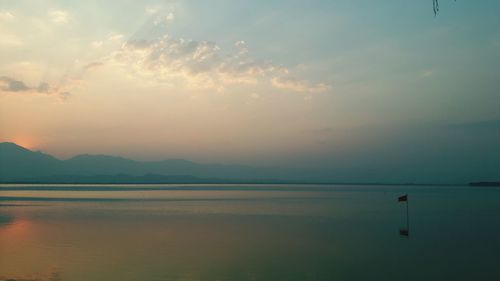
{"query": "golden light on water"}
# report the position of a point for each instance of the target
(17, 228)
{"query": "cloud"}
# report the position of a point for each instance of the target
(161, 16)
(6, 16)
(64, 95)
(196, 64)
(58, 16)
(203, 64)
(241, 46)
(115, 37)
(93, 65)
(111, 41)
(294, 84)
(150, 10)
(8, 84)
(11, 85)
(96, 44)
(164, 20)
(196, 61)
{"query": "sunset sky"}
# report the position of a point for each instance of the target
(349, 90)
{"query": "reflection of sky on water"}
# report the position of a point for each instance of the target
(252, 235)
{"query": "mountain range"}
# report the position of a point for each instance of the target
(21, 165)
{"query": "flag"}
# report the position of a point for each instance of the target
(403, 198)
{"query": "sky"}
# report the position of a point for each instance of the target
(338, 90)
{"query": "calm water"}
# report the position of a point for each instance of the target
(245, 232)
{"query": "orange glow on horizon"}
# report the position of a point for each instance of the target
(26, 142)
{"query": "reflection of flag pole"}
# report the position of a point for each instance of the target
(405, 232)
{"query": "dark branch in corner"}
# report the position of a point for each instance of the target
(435, 6)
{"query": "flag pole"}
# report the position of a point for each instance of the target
(407, 215)
(405, 232)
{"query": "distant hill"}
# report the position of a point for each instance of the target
(18, 164)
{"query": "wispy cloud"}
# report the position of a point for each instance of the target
(6, 16)
(164, 20)
(115, 37)
(58, 16)
(92, 65)
(161, 58)
(12, 85)
(196, 61)
(294, 84)
(151, 10)
(96, 44)
(203, 64)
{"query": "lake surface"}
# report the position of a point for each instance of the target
(248, 232)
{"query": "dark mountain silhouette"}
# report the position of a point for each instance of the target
(18, 164)
(21, 165)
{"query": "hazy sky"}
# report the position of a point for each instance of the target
(376, 90)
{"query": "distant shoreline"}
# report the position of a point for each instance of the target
(485, 184)
(228, 182)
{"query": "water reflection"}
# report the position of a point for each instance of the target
(53, 276)
(405, 232)
(4, 220)
(344, 236)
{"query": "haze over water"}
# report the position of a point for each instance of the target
(248, 232)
